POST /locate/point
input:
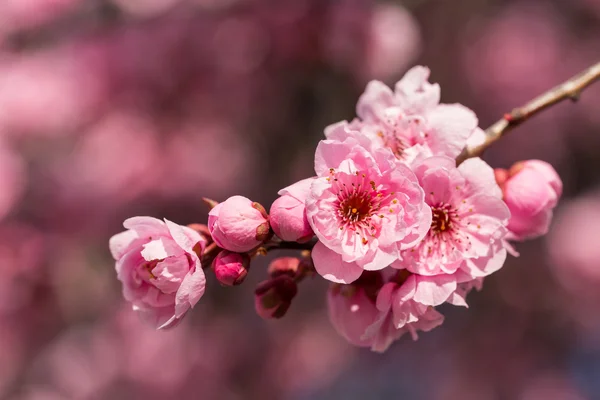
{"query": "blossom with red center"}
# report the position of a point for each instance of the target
(468, 222)
(410, 120)
(364, 207)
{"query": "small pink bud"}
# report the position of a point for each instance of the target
(231, 268)
(237, 225)
(288, 213)
(272, 298)
(284, 265)
(531, 192)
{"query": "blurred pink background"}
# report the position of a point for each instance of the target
(115, 108)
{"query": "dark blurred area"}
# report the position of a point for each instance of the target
(116, 108)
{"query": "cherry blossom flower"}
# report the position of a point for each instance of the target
(364, 207)
(159, 267)
(468, 223)
(410, 120)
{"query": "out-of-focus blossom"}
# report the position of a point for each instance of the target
(393, 41)
(364, 208)
(26, 14)
(192, 148)
(551, 385)
(238, 224)
(115, 160)
(51, 92)
(573, 245)
(80, 363)
(410, 120)
(13, 346)
(306, 356)
(288, 213)
(12, 179)
(159, 267)
(511, 44)
(22, 250)
(468, 224)
(273, 298)
(284, 265)
(531, 191)
(231, 268)
(371, 40)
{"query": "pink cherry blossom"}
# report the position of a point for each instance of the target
(404, 304)
(468, 221)
(531, 191)
(408, 307)
(365, 207)
(288, 213)
(410, 120)
(238, 224)
(231, 268)
(159, 267)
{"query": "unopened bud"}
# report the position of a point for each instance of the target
(237, 225)
(231, 268)
(284, 265)
(272, 298)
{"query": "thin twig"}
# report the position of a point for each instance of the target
(571, 89)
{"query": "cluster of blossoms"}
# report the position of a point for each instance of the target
(390, 219)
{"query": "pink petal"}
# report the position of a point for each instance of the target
(185, 237)
(160, 249)
(298, 190)
(120, 243)
(415, 93)
(330, 154)
(191, 290)
(170, 272)
(484, 266)
(146, 226)
(434, 290)
(331, 267)
(450, 125)
(384, 297)
(383, 258)
(375, 99)
(480, 177)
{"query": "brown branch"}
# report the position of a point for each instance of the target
(571, 89)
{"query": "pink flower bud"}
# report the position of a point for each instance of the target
(238, 224)
(231, 268)
(284, 265)
(288, 213)
(531, 192)
(272, 298)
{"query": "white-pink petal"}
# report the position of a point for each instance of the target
(330, 265)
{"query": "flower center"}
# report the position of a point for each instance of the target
(442, 218)
(355, 208)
